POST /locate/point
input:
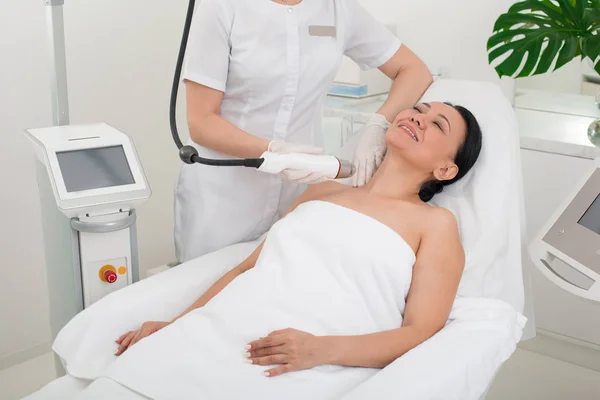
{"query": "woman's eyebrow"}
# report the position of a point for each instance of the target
(427, 104)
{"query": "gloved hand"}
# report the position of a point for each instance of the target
(294, 175)
(370, 149)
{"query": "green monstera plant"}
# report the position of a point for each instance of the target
(537, 35)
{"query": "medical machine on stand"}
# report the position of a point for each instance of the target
(90, 182)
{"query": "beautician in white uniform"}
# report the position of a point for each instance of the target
(256, 75)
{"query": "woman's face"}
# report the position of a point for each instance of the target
(428, 137)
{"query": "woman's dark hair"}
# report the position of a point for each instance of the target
(465, 158)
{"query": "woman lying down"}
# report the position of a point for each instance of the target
(351, 277)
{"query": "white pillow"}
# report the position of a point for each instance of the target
(487, 202)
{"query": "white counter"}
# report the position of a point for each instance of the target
(556, 122)
(561, 103)
(556, 133)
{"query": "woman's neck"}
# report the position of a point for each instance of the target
(394, 179)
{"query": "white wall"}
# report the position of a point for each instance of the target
(565, 80)
(452, 35)
(23, 103)
(121, 57)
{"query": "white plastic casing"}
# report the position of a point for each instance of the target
(56, 139)
(542, 254)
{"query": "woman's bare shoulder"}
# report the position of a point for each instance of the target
(439, 218)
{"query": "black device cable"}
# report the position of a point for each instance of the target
(188, 154)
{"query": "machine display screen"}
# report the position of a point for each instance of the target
(591, 218)
(94, 168)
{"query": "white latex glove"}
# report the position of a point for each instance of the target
(370, 149)
(294, 175)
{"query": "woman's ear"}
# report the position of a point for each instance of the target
(446, 173)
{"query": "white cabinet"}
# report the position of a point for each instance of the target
(548, 179)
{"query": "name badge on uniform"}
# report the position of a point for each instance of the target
(322, 30)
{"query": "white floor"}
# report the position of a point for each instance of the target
(527, 375)
(23, 379)
(532, 376)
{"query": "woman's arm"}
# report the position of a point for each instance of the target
(411, 78)
(208, 129)
(436, 275)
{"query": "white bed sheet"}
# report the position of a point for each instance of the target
(462, 359)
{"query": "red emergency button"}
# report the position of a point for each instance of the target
(110, 276)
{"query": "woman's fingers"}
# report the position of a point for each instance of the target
(294, 350)
(132, 337)
(269, 360)
(128, 339)
(282, 369)
(281, 331)
(119, 340)
(266, 351)
(269, 341)
(140, 335)
(125, 343)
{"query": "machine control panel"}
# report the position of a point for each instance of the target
(104, 277)
(109, 273)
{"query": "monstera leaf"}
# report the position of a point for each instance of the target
(535, 33)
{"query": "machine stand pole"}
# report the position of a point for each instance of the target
(58, 62)
(55, 26)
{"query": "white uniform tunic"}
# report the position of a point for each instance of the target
(274, 76)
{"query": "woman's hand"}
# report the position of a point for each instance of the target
(293, 349)
(370, 149)
(132, 337)
(297, 175)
